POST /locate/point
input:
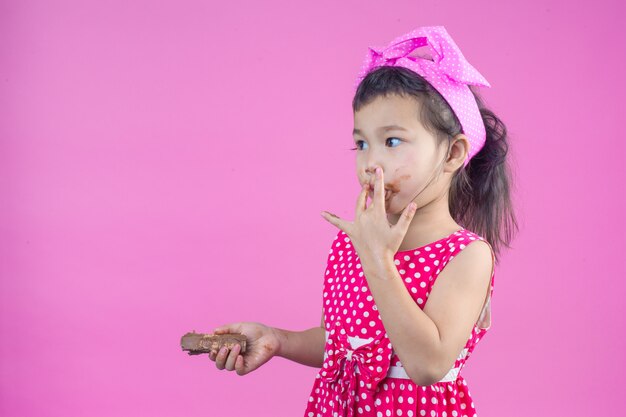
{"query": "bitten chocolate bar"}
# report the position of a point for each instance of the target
(198, 343)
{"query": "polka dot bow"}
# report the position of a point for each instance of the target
(442, 64)
(373, 360)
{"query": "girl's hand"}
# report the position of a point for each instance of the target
(371, 233)
(262, 344)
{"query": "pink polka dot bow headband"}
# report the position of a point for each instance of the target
(443, 65)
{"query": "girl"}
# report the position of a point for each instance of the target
(408, 283)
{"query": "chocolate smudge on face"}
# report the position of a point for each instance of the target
(394, 186)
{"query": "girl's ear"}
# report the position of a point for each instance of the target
(459, 149)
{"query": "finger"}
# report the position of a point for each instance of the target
(212, 355)
(360, 202)
(228, 328)
(239, 365)
(336, 221)
(232, 357)
(379, 189)
(220, 361)
(404, 221)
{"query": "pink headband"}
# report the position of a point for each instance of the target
(444, 67)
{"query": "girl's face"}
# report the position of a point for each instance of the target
(388, 133)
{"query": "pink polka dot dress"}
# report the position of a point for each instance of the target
(361, 374)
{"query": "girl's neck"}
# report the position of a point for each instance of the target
(430, 223)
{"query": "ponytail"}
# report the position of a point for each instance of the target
(480, 193)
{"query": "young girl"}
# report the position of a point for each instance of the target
(408, 283)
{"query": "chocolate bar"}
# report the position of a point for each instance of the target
(198, 343)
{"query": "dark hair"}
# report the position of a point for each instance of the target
(480, 198)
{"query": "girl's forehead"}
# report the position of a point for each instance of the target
(390, 110)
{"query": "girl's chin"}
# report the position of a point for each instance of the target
(391, 208)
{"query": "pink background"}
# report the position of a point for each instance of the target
(163, 165)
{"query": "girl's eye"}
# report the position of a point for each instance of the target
(393, 139)
(359, 148)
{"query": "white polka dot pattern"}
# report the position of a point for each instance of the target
(443, 65)
(352, 379)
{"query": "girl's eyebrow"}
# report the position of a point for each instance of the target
(382, 129)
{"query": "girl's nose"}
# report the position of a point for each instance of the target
(370, 174)
(371, 170)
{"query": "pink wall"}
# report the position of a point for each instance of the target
(163, 166)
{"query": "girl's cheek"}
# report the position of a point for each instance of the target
(400, 185)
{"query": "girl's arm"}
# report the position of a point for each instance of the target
(305, 347)
(428, 341)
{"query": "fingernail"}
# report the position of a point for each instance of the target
(378, 171)
(223, 350)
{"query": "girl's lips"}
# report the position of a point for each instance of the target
(388, 192)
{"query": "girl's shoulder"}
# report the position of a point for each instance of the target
(454, 242)
(462, 238)
(465, 236)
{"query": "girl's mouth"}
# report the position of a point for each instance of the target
(388, 192)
